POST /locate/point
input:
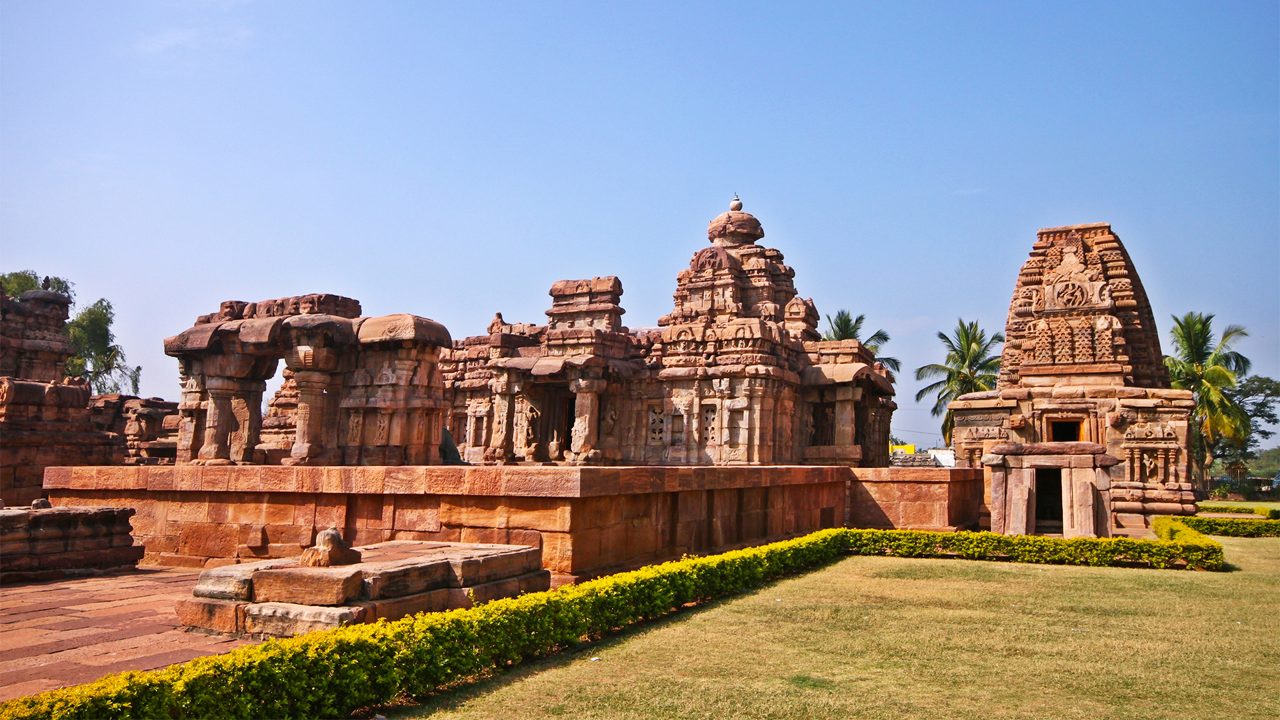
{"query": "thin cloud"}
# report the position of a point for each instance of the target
(186, 39)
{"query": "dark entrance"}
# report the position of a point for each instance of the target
(1065, 430)
(1048, 500)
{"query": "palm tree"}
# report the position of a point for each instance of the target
(846, 327)
(1208, 367)
(971, 365)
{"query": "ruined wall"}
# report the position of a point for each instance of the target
(44, 416)
(51, 543)
(358, 390)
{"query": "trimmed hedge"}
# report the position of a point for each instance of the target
(330, 673)
(1193, 553)
(1268, 513)
(1234, 527)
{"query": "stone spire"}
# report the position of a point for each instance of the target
(734, 227)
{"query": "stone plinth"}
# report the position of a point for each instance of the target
(51, 543)
(940, 499)
(586, 520)
(393, 580)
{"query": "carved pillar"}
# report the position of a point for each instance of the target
(246, 406)
(219, 419)
(586, 414)
(501, 441)
(191, 414)
(309, 446)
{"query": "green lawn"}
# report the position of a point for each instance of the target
(896, 638)
(1244, 504)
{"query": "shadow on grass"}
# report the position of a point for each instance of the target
(454, 698)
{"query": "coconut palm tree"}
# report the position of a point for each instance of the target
(971, 365)
(1208, 367)
(846, 327)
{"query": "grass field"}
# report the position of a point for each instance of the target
(1245, 504)
(897, 638)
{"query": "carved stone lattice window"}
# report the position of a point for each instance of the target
(657, 426)
(708, 424)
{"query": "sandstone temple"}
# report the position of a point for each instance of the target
(735, 374)
(578, 443)
(1083, 434)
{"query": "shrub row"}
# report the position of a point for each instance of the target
(330, 673)
(1193, 553)
(1234, 527)
(1268, 513)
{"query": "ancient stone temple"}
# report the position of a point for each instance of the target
(735, 374)
(359, 391)
(44, 415)
(1083, 434)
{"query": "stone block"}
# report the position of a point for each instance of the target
(407, 577)
(207, 540)
(397, 607)
(224, 616)
(307, 586)
(284, 619)
(233, 582)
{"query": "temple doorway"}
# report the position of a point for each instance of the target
(1048, 501)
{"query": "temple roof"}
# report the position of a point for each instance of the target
(735, 227)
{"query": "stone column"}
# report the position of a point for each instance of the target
(501, 441)
(586, 417)
(309, 447)
(1020, 501)
(219, 418)
(191, 416)
(246, 406)
(846, 397)
(999, 489)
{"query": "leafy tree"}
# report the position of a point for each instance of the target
(1257, 397)
(1208, 367)
(972, 364)
(1266, 464)
(846, 327)
(15, 283)
(95, 355)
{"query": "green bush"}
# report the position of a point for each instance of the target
(1234, 527)
(330, 673)
(1268, 513)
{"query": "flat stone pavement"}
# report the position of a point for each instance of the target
(68, 632)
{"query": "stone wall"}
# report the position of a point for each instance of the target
(50, 543)
(48, 419)
(44, 424)
(908, 498)
(586, 520)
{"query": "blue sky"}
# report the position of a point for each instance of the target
(453, 160)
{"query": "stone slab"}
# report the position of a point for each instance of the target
(284, 619)
(307, 586)
(233, 582)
